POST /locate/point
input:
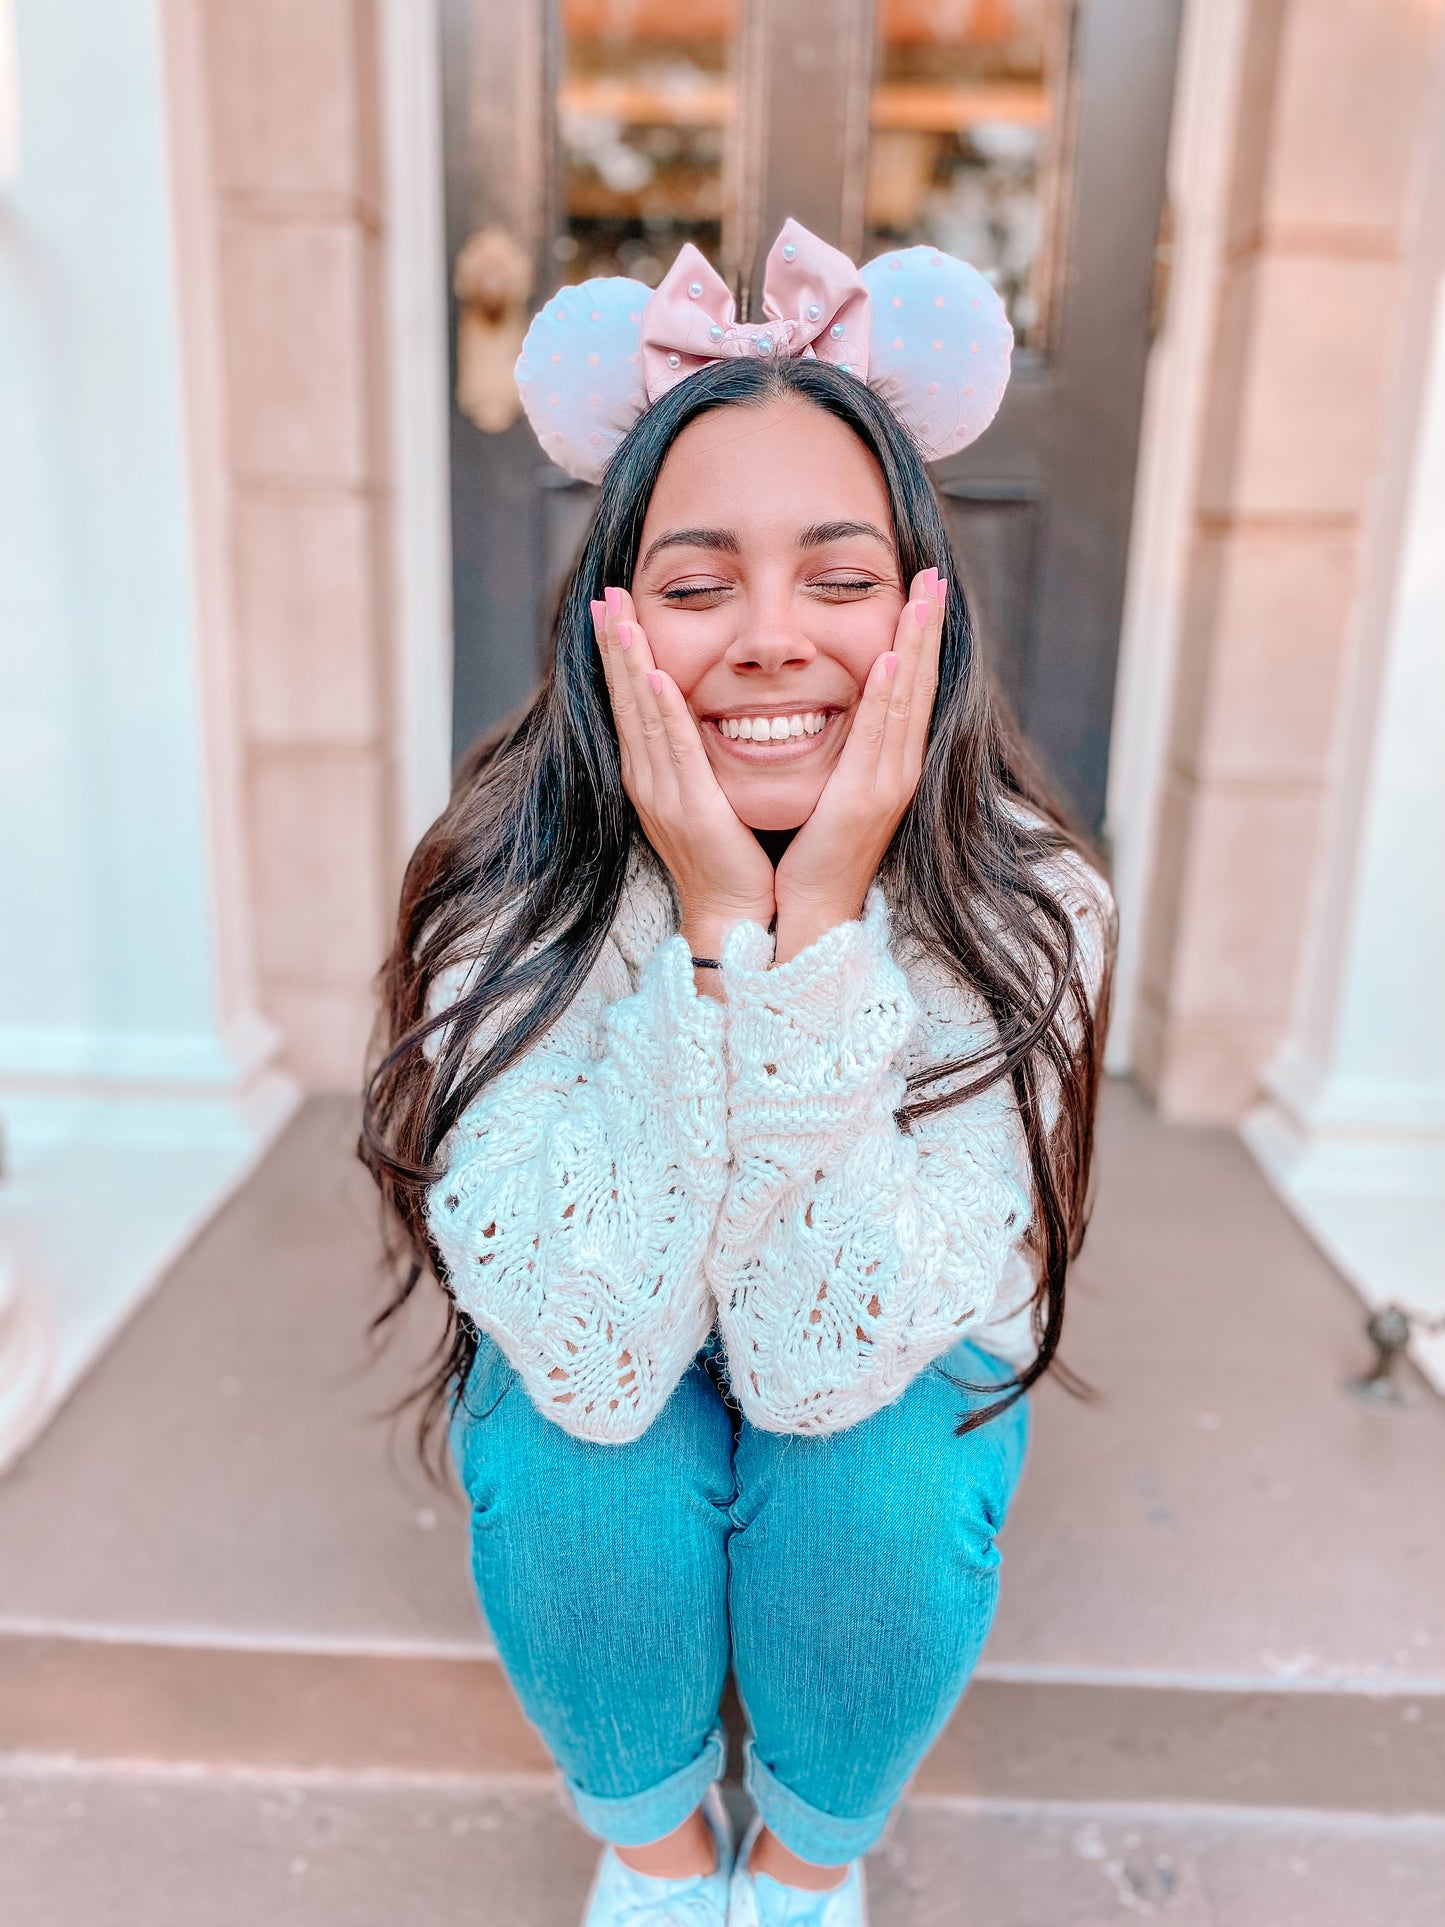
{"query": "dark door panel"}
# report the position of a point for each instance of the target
(997, 533)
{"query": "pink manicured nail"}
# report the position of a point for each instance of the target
(599, 611)
(614, 600)
(942, 590)
(654, 682)
(920, 613)
(890, 663)
(624, 634)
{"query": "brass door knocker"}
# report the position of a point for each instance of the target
(493, 283)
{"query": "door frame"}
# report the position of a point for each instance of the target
(418, 377)
(1200, 144)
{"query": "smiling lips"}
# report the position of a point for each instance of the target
(772, 739)
(762, 729)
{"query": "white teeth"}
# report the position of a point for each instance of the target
(761, 729)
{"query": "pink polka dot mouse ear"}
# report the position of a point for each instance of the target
(580, 371)
(939, 346)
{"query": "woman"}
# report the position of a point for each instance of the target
(742, 1039)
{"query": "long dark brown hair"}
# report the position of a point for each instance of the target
(527, 863)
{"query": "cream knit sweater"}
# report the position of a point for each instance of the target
(659, 1160)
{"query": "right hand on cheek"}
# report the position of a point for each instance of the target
(721, 871)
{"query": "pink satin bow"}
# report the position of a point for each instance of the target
(814, 303)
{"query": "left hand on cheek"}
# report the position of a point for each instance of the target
(826, 870)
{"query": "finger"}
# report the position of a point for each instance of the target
(656, 727)
(599, 636)
(631, 738)
(680, 761)
(908, 640)
(682, 770)
(893, 668)
(925, 682)
(682, 739)
(633, 652)
(917, 645)
(621, 607)
(617, 622)
(858, 759)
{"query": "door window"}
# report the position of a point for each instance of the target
(966, 134)
(646, 116)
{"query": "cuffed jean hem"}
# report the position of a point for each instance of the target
(803, 1829)
(637, 1819)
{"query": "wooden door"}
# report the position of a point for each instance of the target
(1028, 136)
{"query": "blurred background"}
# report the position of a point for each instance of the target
(275, 545)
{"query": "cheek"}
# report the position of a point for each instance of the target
(856, 634)
(685, 644)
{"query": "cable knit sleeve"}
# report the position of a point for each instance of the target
(577, 1204)
(848, 1253)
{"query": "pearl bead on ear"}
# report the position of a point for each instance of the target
(790, 253)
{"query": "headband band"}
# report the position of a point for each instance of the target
(926, 331)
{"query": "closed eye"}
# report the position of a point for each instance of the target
(689, 592)
(835, 589)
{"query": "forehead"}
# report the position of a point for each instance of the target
(777, 464)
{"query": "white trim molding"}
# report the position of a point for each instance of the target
(9, 95)
(417, 377)
(138, 1078)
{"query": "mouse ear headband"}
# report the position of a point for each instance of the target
(926, 332)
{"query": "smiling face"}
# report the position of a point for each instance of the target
(767, 585)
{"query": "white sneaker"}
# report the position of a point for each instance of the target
(621, 1897)
(757, 1900)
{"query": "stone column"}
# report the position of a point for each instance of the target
(1353, 1127)
(293, 113)
(1311, 302)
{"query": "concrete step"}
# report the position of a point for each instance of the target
(137, 1849)
(1224, 1578)
(208, 1708)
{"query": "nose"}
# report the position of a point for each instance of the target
(771, 637)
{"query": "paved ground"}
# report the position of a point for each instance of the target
(78, 1850)
(1223, 1511)
(1224, 1584)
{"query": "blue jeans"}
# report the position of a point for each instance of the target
(849, 1578)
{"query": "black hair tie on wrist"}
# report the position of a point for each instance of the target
(706, 963)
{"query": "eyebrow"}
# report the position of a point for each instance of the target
(822, 533)
(725, 540)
